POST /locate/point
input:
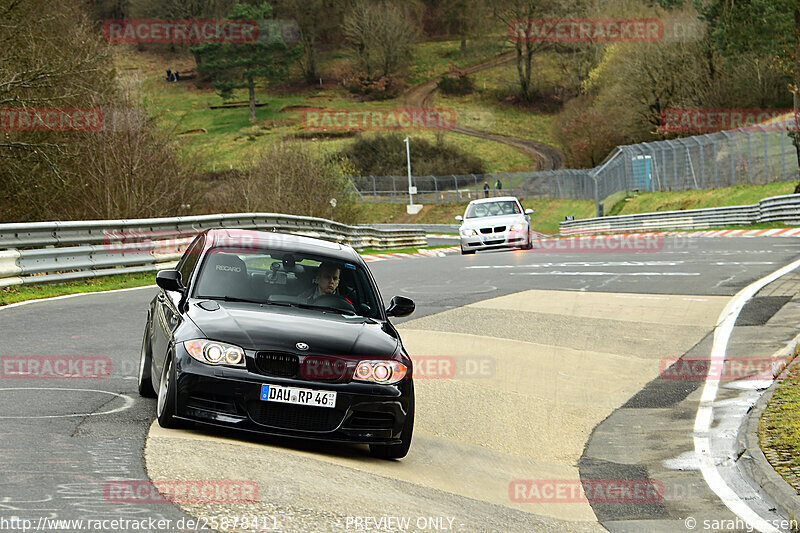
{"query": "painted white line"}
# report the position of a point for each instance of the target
(127, 399)
(557, 273)
(64, 297)
(705, 412)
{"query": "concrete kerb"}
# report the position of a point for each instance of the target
(751, 458)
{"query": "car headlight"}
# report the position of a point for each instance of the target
(468, 232)
(384, 372)
(215, 353)
(517, 227)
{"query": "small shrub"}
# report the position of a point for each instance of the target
(455, 85)
(385, 155)
(372, 87)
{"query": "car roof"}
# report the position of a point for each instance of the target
(495, 199)
(279, 241)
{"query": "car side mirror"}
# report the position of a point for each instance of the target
(459, 218)
(170, 280)
(529, 211)
(400, 306)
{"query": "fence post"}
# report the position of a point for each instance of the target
(374, 189)
(733, 158)
(702, 164)
(766, 156)
(674, 167)
(783, 155)
(749, 159)
(435, 189)
(394, 190)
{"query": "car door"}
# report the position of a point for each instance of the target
(167, 315)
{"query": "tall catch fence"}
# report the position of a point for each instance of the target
(755, 155)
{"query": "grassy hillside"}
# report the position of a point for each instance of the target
(548, 213)
(225, 137)
(678, 200)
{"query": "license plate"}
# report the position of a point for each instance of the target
(295, 395)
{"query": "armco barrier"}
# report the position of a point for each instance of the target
(428, 228)
(59, 251)
(785, 209)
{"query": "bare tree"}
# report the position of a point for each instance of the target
(381, 34)
(317, 20)
(182, 9)
(287, 177)
(51, 56)
(464, 18)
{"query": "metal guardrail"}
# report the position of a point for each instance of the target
(427, 228)
(784, 209)
(59, 251)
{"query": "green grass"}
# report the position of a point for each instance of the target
(230, 139)
(779, 429)
(547, 213)
(679, 200)
(21, 293)
(413, 250)
(432, 58)
(496, 157)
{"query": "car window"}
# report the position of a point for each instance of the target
(189, 259)
(285, 278)
(491, 209)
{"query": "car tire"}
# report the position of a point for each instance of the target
(397, 451)
(466, 252)
(144, 379)
(165, 409)
(529, 243)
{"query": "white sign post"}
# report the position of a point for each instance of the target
(411, 209)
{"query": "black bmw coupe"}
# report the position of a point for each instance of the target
(278, 334)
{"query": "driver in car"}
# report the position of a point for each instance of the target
(326, 282)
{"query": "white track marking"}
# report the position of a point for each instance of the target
(557, 273)
(127, 399)
(705, 412)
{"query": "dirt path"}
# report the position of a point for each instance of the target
(545, 157)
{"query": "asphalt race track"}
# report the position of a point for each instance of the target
(553, 356)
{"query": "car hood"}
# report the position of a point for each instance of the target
(255, 327)
(499, 220)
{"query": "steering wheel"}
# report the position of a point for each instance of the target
(335, 301)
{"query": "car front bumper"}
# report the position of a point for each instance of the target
(506, 239)
(365, 413)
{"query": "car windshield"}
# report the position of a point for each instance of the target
(491, 209)
(273, 277)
